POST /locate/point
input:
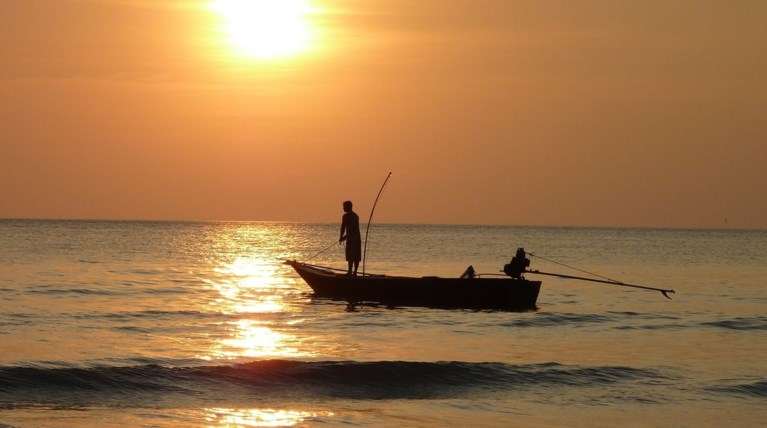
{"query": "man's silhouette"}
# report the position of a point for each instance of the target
(350, 232)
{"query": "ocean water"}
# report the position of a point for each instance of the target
(174, 324)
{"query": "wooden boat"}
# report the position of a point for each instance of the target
(470, 291)
(467, 292)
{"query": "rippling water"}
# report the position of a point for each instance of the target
(200, 324)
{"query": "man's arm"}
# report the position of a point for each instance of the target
(342, 238)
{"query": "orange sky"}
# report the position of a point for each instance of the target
(590, 113)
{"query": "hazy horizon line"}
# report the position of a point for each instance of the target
(318, 222)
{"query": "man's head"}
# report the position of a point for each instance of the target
(347, 206)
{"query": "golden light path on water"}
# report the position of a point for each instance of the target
(230, 418)
(258, 323)
(249, 292)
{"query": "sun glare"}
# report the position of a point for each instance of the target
(261, 417)
(267, 29)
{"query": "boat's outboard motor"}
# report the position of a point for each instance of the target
(517, 265)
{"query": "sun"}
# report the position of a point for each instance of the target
(267, 29)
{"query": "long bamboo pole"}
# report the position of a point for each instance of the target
(370, 219)
(664, 291)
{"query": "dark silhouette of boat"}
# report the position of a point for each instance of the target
(470, 291)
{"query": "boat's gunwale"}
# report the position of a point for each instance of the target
(332, 273)
(497, 293)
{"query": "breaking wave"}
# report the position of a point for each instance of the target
(754, 389)
(740, 323)
(330, 379)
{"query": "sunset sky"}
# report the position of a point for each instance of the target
(584, 113)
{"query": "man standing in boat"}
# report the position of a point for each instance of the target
(350, 232)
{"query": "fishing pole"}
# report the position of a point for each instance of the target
(370, 219)
(327, 248)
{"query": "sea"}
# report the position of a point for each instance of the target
(201, 324)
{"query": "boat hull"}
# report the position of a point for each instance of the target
(435, 292)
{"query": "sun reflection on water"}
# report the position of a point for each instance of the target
(230, 418)
(254, 299)
(254, 340)
(248, 286)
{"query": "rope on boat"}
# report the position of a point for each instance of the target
(604, 280)
(574, 268)
(328, 268)
(328, 247)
